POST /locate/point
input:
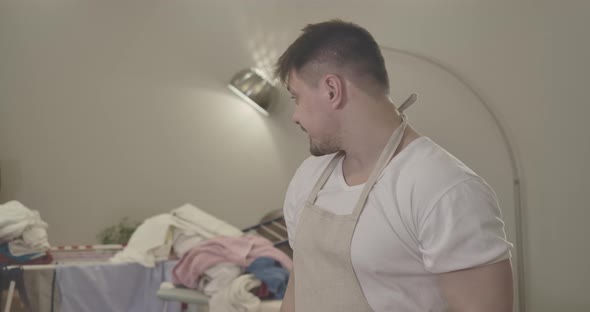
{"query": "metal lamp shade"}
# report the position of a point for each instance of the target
(253, 89)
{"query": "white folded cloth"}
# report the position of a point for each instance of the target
(184, 242)
(150, 242)
(199, 222)
(237, 297)
(19, 222)
(183, 228)
(195, 225)
(218, 278)
(18, 247)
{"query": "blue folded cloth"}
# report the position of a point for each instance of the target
(5, 252)
(272, 274)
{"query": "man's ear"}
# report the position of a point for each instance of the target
(333, 86)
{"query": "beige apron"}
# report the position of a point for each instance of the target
(324, 276)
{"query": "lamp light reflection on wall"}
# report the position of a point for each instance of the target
(253, 88)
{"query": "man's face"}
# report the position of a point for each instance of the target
(313, 115)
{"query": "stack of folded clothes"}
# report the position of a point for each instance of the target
(23, 236)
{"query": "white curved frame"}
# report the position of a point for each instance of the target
(518, 182)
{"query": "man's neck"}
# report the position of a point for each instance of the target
(365, 140)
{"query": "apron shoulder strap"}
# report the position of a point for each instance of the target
(324, 177)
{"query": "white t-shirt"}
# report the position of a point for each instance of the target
(428, 213)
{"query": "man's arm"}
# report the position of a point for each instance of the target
(288, 304)
(482, 289)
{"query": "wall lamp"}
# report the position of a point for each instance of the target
(251, 86)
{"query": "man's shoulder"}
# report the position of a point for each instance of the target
(430, 168)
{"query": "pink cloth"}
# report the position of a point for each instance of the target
(241, 251)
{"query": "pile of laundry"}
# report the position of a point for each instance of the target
(236, 272)
(23, 236)
(174, 233)
(234, 269)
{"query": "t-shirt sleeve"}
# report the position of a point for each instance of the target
(463, 229)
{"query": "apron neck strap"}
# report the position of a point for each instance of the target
(324, 177)
(390, 148)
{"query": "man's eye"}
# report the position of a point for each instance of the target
(292, 96)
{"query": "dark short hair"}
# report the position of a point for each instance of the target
(343, 44)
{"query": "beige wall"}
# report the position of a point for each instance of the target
(119, 108)
(122, 110)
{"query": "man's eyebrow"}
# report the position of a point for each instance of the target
(289, 89)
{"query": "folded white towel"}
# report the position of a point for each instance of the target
(218, 278)
(237, 297)
(35, 236)
(150, 242)
(199, 222)
(18, 247)
(184, 242)
(195, 225)
(18, 221)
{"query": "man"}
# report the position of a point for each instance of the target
(380, 218)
